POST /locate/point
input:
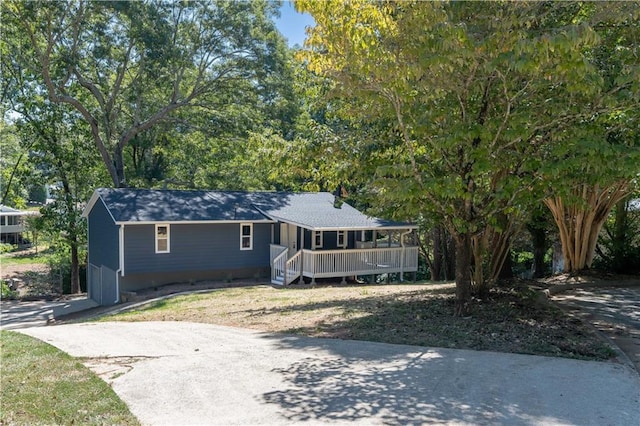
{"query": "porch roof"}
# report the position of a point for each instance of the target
(316, 211)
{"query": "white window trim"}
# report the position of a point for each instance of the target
(168, 250)
(344, 239)
(313, 239)
(250, 225)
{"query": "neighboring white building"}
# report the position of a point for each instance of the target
(12, 224)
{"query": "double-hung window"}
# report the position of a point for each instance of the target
(317, 239)
(162, 238)
(342, 239)
(246, 236)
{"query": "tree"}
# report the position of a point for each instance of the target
(598, 164)
(126, 67)
(14, 168)
(476, 91)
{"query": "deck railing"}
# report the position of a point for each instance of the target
(293, 266)
(278, 256)
(336, 263)
(284, 270)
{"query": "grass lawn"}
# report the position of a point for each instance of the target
(27, 257)
(509, 320)
(42, 385)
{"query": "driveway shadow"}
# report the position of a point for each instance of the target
(397, 384)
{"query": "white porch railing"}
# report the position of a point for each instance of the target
(279, 269)
(341, 263)
(284, 270)
(275, 251)
(293, 266)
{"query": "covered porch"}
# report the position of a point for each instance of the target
(363, 253)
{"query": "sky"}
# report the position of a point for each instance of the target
(291, 24)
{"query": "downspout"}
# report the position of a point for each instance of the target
(404, 249)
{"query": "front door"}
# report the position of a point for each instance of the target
(289, 237)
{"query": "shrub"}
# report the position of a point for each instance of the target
(6, 291)
(6, 248)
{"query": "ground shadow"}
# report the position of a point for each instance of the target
(396, 384)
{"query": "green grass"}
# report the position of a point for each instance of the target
(15, 258)
(42, 385)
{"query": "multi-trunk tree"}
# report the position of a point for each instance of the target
(477, 92)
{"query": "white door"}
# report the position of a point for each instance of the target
(289, 237)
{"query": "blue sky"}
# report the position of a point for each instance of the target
(291, 23)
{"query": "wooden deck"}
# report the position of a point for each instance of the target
(341, 263)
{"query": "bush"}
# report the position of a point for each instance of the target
(6, 248)
(6, 291)
(60, 264)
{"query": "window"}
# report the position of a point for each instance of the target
(162, 238)
(317, 239)
(246, 236)
(342, 238)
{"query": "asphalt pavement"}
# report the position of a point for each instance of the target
(172, 373)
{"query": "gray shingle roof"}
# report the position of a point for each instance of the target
(148, 205)
(315, 210)
(312, 210)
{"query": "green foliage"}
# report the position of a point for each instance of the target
(14, 168)
(489, 105)
(127, 67)
(37, 193)
(6, 292)
(6, 248)
(61, 268)
(619, 248)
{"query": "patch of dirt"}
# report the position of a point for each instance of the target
(508, 320)
(31, 280)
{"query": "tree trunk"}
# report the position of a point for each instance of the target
(75, 269)
(118, 162)
(539, 240)
(449, 257)
(436, 265)
(580, 223)
(463, 275)
(506, 272)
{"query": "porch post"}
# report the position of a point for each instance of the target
(301, 248)
(374, 244)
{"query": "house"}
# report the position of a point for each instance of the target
(143, 238)
(12, 224)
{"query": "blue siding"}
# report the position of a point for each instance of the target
(103, 237)
(330, 240)
(195, 247)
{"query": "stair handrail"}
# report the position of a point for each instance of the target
(294, 265)
(280, 264)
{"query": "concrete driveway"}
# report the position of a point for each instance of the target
(185, 373)
(16, 314)
(614, 311)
